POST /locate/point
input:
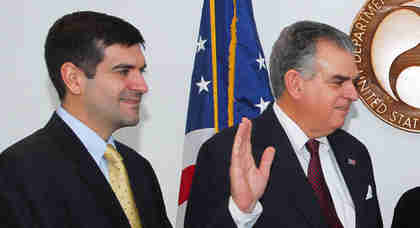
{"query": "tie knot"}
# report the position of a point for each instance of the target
(112, 155)
(312, 146)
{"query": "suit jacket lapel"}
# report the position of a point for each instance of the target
(73, 149)
(287, 175)
(347, 162)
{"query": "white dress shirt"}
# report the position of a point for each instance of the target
(334, 179)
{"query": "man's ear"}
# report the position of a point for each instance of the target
(293, 82)
(73, 78)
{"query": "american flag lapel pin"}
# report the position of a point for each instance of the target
(351, 162)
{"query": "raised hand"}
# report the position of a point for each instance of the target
(247, 181)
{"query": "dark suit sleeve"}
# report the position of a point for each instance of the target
(210, 192)
(406, 211)
(15, 211)
(8, 214)
(157, 198)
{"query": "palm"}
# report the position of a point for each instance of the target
(247, 181)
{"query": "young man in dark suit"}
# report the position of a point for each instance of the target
(321, 176)
(61, 175)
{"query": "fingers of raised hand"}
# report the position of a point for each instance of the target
(266, 161)
(242, 138)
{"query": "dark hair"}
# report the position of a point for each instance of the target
(296, 48)
(81, 38)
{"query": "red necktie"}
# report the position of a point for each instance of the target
(316, 178)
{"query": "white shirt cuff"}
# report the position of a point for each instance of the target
(241, 219)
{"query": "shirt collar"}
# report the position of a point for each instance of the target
(297, 137)
(94, 144)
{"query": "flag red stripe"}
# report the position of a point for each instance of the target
(186, 181)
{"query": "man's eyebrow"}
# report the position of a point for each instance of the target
(339, 77)
(122, 66)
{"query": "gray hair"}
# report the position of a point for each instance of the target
(296, 49)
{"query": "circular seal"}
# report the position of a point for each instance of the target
(386, 35)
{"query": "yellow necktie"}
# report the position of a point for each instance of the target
(120, 184)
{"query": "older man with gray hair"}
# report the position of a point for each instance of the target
(311, 173)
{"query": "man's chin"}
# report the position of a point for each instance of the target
(130, 122)
(333, 126)
(339, 124)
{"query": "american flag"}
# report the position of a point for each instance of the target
(351, 162)
(229, 80)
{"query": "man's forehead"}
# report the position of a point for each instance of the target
(117, 54)
(119, 48)
(331, 69)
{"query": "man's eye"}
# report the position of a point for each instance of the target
(143, 70)
(354, 81)
(339, 83)
(124, 72)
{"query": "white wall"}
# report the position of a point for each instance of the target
(170, 29)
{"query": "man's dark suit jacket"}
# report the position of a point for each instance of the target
(49, 180)
(406, 213)
(289, 200)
